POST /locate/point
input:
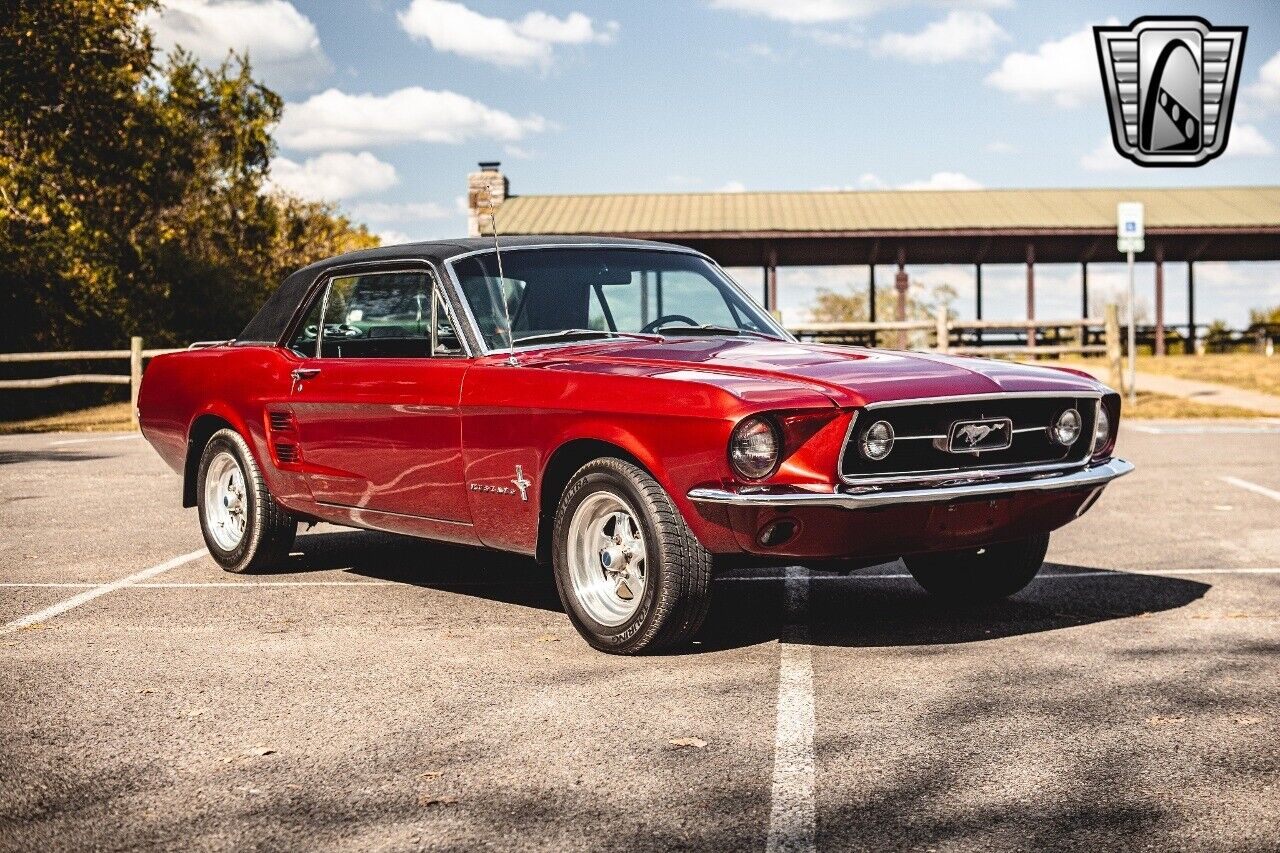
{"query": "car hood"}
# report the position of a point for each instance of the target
(848, 376)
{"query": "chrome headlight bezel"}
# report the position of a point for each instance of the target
(1101, 431)
(877, 448)
(1066, 428)
(758, 435)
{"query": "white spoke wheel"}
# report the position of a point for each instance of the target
(244, 528)
(631, 575)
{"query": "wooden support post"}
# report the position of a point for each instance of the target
(771, 281)
(977, 298)
(1084, 301)
(1191, 308)
(871, 297)
(1031, 293)
(943, 329)
(135, 377)
(1159, 299)
(1115, 355)
(900, 284)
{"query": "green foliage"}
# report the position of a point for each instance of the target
(133, 196)
(1262, 316)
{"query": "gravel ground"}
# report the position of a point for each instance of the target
(380, 693)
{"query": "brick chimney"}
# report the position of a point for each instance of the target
(486, 191)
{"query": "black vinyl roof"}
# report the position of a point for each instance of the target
(269, 323)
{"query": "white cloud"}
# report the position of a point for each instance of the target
(1264, 95)
(517, 152)
(1245, 140)
(1103, 158)
(282, 43)
(962, 35)
(1064, 71)
(334, 119)
(453, 28)
(944, 181)
(333, 175)
(392, 237)
(732, 187)
(802, 11)
(398, 212)
(825, 11)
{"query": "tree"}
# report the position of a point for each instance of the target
(133, 196)
(1264, 316)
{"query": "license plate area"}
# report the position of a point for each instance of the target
(969, 518)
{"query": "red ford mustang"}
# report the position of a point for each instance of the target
(621, 410)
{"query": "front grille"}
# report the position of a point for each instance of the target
(922, 433)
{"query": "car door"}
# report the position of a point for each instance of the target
(376, 404)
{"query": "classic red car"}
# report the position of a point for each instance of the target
(620, 410)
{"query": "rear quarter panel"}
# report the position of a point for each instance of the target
(234, 384)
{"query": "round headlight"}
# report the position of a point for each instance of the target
(754, 448)
(877, 441)
(1101, 430)
(1066, 429)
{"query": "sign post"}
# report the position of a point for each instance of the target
(1129, 239)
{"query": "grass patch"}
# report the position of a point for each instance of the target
(1164, 407)
(1250, 371)
(113, 417)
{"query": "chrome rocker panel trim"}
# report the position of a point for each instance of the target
(1092, 477)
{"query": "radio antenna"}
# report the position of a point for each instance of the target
(502, 297)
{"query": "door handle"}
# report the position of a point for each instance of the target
(301, 373)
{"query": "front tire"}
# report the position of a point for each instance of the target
(977, 575)
(631, 575)
(244, 528)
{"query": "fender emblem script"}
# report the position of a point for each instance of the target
(519, 482)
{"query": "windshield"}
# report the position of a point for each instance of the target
(568, 293)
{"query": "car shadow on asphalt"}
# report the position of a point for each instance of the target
(11, 457)
(873, 607)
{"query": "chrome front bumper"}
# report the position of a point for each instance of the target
(1093, 477)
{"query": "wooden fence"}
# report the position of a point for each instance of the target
(134, 355)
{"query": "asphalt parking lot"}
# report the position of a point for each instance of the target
(385, 694)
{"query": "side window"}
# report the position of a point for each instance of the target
(379, 315)
(304, 340)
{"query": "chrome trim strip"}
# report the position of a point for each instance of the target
(994, 395)
(1095, 477)
(952, 473)
(448, 263)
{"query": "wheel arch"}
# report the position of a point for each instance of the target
(561, 465)
(202, 429)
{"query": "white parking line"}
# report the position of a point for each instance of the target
(1252, 487)
(1263, 426)
(792, 810)
(90, 594)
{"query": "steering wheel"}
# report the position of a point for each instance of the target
(649, 328)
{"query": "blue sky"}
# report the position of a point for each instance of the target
(391, 102)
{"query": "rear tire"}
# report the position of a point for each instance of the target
(244, 528)
(976, 575)
(631, 575)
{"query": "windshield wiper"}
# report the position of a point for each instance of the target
(711, 329)
(563, 334)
